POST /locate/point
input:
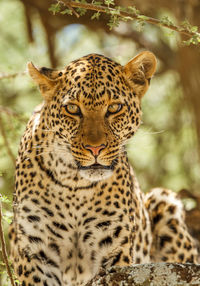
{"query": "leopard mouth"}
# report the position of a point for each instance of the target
(96, 166)
(96, 171)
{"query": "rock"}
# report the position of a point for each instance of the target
(152, 274)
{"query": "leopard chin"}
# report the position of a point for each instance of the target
(93, 174)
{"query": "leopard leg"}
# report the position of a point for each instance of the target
(171, 239)
(37, 268)
(36, 271)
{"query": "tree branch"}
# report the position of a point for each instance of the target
(5, 76)
(3, 244)
(10, 112)
(133, 15)
(3, 133)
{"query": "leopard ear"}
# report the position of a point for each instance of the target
(139, 70)
(45, 78)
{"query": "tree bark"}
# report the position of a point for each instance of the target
(153, 274)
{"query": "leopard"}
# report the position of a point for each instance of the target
(78, 207)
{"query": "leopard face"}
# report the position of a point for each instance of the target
(93, 106)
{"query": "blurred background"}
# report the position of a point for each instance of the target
(165, 151)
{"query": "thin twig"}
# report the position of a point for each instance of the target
(5, 76)
(105, 9)
(10, 112)
(7, 146)
(3, 245)
(70, 8)
(73, 11)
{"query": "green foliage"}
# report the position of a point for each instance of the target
(130, 13)
(81, 11)
(185, 25)
(114, 18)
(131, 9)
(143, 18)
(166, 21)
(109, 2)
(96, 16)
(4, 275)
(7, 215)
(97, 2)
(195, 40)
(18, 96)
(7, 219)
(56, 8)
(5, 199)
(66, 12)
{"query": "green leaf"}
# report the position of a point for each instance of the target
(96, 15)
(132, 10)
(125, 19)
(114, 12)
(7, 219)
(98, 3)
(113, 22)
(5, 199)
(55, 8)
(165, 20)
(195, 40)
(81, 11)
(185, 25)
(194, 29)
(140, 25)
(143, 17)
(66, 11)
(109, 2)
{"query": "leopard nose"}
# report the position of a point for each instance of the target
(95, 149)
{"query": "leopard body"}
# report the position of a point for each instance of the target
(78, 206)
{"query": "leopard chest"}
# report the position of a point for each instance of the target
(77, 229)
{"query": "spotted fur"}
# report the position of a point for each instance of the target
(77, 204)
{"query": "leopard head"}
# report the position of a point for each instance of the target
(94, 106)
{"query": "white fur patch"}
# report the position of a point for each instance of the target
(96, 175)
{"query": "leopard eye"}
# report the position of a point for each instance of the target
(114, 108)
(72, 109)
